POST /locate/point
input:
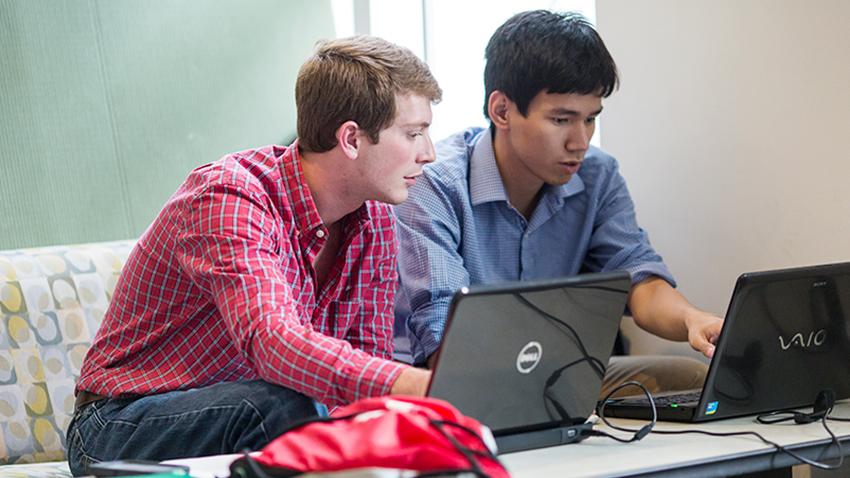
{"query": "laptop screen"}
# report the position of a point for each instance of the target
(786, 338)
(526, 356)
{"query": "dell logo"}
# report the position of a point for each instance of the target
(529, 357)
(804, 341)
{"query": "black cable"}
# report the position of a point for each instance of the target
(550, 382)
(824, 402)
(594, 362)
(819, 415)
(468, 453)
(816, 464)
(639, 433)
(248, 467)
(486, 453)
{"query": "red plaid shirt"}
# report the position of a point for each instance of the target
(221, 288)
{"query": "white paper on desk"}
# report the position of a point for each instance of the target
(219, 467)
(366, 473)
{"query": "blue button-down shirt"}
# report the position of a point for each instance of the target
(457, 228)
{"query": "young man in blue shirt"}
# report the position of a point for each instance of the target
(529, 199)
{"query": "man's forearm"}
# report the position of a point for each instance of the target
(663, 311)
(660, 309)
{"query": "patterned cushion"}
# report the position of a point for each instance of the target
(56, 469)
(51, 303)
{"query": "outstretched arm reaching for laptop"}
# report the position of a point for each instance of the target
(660, 309)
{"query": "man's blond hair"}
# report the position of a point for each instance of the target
(356, 79)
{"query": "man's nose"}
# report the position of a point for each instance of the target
(579, 139)
(428, 155)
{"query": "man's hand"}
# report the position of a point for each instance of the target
(703, 331)
(662, 310)
(412, 381)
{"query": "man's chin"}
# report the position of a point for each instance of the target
(394, 199)
(560, 180)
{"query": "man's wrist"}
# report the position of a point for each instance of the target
(690, 318)
(696, 319)
(411, 381)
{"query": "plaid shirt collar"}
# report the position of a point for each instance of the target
(307, 219)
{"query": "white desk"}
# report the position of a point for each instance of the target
(689, 455)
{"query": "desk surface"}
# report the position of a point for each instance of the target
(683, 455)
(690, 455)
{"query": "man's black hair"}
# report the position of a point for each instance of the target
(540, 50)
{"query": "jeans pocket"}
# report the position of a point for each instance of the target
(85, 425)
(78, 459)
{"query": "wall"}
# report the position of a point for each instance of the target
(732, 126)
(105, 105)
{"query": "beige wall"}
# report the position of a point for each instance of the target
(732, 127)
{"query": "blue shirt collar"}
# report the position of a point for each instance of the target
(485, 183)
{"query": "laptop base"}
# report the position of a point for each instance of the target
(644, 412)
(543, 438)
(670, 406)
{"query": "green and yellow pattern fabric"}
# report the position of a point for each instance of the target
(52, 301)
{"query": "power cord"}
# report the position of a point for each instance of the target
(780, 448)
(824, 402)
(637, 434)
(596, 365)
(820, 412)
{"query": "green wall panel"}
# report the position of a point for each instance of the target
(107, 105)
(54, 128)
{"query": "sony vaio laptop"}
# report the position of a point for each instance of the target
(786, 338)
(527, 359)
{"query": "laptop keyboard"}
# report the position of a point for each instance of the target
(678, 399)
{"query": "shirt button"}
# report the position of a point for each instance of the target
(320, 233)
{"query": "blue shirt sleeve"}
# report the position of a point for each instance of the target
(617, 241)
(431, 268)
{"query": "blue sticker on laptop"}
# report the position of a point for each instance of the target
(711, 408)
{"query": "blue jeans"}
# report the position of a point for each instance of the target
(222, 418)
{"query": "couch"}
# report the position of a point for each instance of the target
(51, 303)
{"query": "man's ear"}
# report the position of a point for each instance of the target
(349, 139)
(498, 105)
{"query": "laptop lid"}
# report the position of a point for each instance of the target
(529, 356)
(786, 337)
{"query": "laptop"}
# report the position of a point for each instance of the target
(527, 359)
(786, 338)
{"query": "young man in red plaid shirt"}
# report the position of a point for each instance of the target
(266, 284)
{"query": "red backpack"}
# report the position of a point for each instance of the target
(398, 432)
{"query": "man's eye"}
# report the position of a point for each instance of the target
(414, 134)
(590, 120)
(560, 120)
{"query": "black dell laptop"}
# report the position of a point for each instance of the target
(786, 338)
(527, 359)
